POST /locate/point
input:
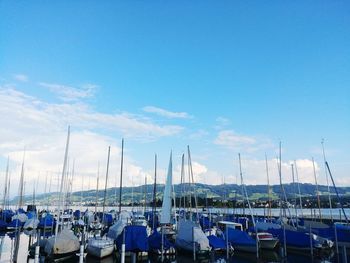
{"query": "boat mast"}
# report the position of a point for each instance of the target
(183, 193)
(105, 192)
(193, 184)
(154, 193)
(245, 190)
(336, 192)
(317, 192)
(282, 188)
(6, 184)
(121, 178)
(145, 195)
(328, 188)
(298, 184)
(21, 184)
(295, 194)
(62, 182)
(268, 188)
(97, 183)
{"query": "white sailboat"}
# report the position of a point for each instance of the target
(165, 215)
(99, 246)
(64, 244)
(190, 236)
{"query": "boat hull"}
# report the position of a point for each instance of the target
(268, 244)
(100, 252)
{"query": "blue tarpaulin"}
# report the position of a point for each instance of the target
(155, 241)
(241, 238)
(205, 222)
(3, 225)
(15, 223)
(47, 221)
(293, 238)
(217, 242)
(135, 239)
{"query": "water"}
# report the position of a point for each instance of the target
(14, 248)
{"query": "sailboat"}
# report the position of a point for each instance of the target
(100, 246)
(64, 244)
(3, 223)
(158, 241)
(190, 236)
(20, 217)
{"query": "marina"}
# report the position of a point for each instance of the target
(17, 246)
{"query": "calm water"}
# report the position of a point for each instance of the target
(14, 248)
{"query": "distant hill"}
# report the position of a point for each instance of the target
(215, 192)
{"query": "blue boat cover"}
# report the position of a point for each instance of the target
(3, 224)
(155, 241)
(76, 214)
(15, 223)
(205, 222)
(343, 232)
(46, 221)
(241, 238)
(108, 219)
(149, 217)
(31, 215)
(293, 238)
(217, 242)
(21, 211)
(135, 239)
(7, 215)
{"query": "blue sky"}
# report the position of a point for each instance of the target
(230, 76)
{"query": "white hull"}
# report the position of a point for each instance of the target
(100, 248)
(100, 252)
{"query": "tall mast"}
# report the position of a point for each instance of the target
(328, 188)
(299, 192)
(294, 193)
(245, 190)
(317, 192)
(280, 175)
(182, 181)
(121, 178)
(145, 195)
(21, 184)
(97, 183)
(268, 187)
(336, 192)
(62, 182)
(105, 192)
(154, 192)
(193, 185)
(6, 184)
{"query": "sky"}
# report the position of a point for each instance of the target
(224, 77)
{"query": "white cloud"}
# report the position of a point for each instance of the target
(166, 113)
(41, 128)
(232, 140)
(68, 93)
(21, 77)
(241, 143)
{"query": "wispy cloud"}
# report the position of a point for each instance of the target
(166, 113)
(242, 143)
(69, 93)
(41, 127)
(230, 139)
(21, 77)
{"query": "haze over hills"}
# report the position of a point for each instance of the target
(216, 192)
